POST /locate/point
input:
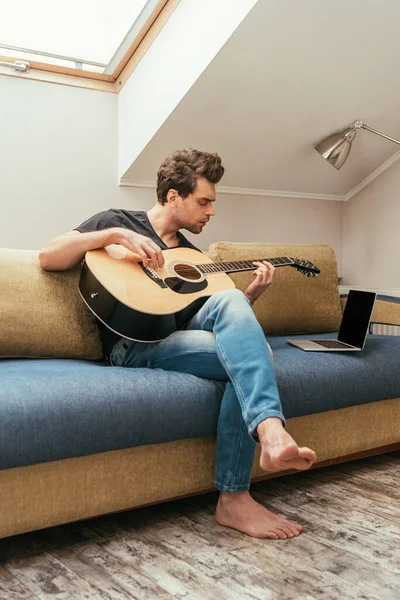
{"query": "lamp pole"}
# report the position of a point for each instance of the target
(361, 125)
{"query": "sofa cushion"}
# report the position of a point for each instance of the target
(55, 409)
(294, 303)
(313, 382)
(42, 313)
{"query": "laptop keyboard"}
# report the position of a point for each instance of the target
(330, 344)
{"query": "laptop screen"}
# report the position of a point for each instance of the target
(356, 318)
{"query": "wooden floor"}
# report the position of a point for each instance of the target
(350, 547)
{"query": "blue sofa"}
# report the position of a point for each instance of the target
(79, 438)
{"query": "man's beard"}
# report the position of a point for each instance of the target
(193, 228)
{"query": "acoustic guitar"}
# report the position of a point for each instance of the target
(146, 305)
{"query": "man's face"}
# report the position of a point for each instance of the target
(194, 211)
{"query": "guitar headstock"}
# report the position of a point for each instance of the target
(305, 267)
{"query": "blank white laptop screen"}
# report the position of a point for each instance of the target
(353, 329)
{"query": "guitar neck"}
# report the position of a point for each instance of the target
(243, 265)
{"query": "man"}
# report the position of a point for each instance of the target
(209, 346)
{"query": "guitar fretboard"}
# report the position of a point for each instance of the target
(243, 265)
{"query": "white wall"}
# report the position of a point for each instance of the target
(58, 161)
(191, 38)
(371, 239)
(282, 220)
(248, 218)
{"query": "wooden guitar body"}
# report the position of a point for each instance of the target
(147, 305)
(126, 298)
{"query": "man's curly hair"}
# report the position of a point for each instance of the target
(180, 170)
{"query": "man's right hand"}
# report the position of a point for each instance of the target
(148, 250)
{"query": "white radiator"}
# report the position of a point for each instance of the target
(383, 329)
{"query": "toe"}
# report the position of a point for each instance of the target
(306, 464)
(307, 454)
(289, 534)
(300, 464)
(281, 533)
(299, 528)
(288, 530)
(295, 531)
(290, 526)
(290, 452)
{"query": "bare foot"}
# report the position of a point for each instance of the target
(239, 511)
(279, 451)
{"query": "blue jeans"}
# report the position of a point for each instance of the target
(224, 342)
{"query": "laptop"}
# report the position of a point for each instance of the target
(353, 329)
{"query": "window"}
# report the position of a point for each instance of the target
(91, 38)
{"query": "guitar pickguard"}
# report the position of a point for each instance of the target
(180, 286)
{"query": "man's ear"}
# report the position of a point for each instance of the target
(172, 196)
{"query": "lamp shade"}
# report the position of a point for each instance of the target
(336, 148)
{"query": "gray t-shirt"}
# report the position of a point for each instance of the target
(137, 221)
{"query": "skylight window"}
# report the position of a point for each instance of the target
(89, 35)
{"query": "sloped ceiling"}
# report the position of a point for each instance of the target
(293, 72)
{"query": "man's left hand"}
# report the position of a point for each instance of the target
(264, 276)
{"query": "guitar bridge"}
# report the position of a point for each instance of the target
(153, 276)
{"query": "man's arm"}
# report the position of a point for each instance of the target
(69, 249)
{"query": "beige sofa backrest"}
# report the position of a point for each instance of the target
(41, 313)
(294, 303)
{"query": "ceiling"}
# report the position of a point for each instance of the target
(292, 73)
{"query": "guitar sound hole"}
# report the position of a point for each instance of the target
(187, 271)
